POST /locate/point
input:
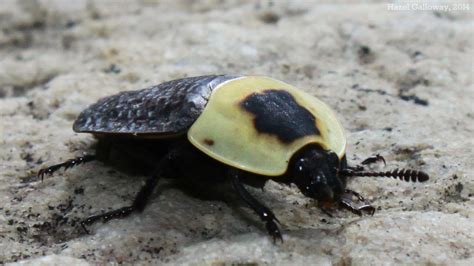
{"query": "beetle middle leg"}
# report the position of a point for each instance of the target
(265, 213)
(142, 197)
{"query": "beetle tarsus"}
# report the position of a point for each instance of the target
(66, 165)
(356, 194)
(265, 213)
(84, 228)
(327, 212)
(273, 230)
(356, 168)
(374, 159)
(349, 205)
(119, 213)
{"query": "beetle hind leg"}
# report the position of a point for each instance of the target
(66, 165)
(265, 213)
(141, 199)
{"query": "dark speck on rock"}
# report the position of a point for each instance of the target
(269, 17)
(364, 50)
(22, 229)
(417, 55)
(113, 68)
(70, 24)
(27, 157)
(365, 54)
(415, 99)
(79, 191)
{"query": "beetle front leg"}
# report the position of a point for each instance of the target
(374, 159)
(357, 209)
(370, 160)
(347, 203)
(265, 214)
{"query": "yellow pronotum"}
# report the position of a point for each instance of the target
(226, 132)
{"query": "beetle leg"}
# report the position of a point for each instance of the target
(370, 160)
(67, 164)
(356, 168)
(357, 194)
(357, 209)
(141, 199)
(138, 204)
(327, 212)
(347, 203)
(265, 214)
(374, 159)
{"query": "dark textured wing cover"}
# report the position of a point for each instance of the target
(167, 108)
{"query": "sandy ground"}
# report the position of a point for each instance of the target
(401, 83)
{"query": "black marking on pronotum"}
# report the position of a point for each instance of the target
(276, 112)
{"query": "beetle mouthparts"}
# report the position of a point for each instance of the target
(402, 174)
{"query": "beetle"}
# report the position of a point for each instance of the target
(246, 129)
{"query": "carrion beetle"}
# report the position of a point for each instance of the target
(246, 129)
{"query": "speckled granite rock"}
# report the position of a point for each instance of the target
(400, 81)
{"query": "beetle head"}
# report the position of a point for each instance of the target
(315, 172)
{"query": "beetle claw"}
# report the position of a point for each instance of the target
(356, 194)
(66, 165)
(347, 203)
(374, 159)
(83, 225)
(274, 231)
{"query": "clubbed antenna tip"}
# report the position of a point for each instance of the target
(402, 174)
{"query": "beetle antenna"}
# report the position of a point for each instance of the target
(402, 174)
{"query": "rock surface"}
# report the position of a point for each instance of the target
(401, 83)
